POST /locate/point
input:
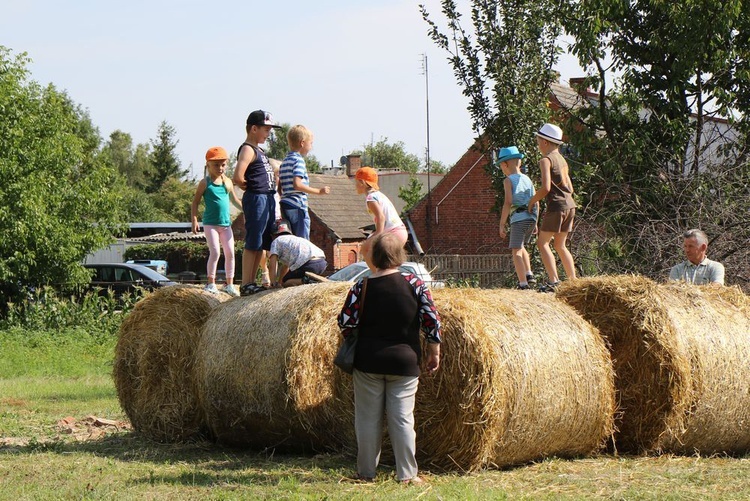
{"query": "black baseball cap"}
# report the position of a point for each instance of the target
(260, 117)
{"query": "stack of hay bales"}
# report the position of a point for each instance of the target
(154, 360)
(681, 356)
(511, 388)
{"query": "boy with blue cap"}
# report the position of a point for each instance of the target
(519, 190)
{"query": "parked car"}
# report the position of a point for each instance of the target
(124, 278)
(158, 265)
(359, 270)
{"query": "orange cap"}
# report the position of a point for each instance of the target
(216, 153)
(369, 176)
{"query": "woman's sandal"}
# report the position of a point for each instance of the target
(360, 479)
(413, 481)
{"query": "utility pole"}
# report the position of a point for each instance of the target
(428, 213)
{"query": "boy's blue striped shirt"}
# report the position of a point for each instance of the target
(293, 166)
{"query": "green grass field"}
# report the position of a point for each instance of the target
(47, 377)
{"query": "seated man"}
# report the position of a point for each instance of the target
(698, 269)
(295, 256)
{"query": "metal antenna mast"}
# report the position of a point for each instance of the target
(425, 72)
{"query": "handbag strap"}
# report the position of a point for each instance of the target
(362, 300)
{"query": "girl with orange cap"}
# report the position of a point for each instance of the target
(384, 214)
(217, 191)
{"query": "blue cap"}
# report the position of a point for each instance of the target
(508, 153)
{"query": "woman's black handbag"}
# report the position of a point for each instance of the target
(345, 356)
(344, 359)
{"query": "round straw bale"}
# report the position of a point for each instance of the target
(265, 373)
(153, 364)
(522, 377)
(511, 389)
(680, 354)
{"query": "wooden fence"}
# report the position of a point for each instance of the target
(491, 270)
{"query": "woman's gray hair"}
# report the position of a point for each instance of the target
(697, 234)
(387, 251)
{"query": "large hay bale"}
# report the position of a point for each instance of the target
(681, 356)
(511, 389)
(265, 373)
(522, 377)
(153, 364)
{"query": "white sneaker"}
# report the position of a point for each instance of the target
(211, 288)
(231, 290)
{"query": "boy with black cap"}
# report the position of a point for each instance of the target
(518, 192)
(254, 174)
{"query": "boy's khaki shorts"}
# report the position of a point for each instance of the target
(558, 222)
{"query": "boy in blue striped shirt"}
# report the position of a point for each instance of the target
(295, 184)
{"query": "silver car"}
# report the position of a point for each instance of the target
(359, 270)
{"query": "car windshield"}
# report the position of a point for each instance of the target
(359, 270)
(129, 273)
(150, 274)
(350, 273)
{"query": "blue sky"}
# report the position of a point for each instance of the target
(350, 70)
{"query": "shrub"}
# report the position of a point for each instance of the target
(45, 309)
(181, 256)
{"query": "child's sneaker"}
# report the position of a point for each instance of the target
(231, 290)
(251, 288)
(522, 287)
(531, 280)
(548, 287)
(211, 288)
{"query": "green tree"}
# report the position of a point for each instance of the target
(663, 148)
(173, 199)
(384, 155)
(133, 164)
(57, 201)
(139, 207)
(278, 147)
(411, 193)
(436, 167)
(672, 79)
(163, 158)
(503, 62)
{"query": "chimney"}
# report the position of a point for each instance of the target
(353, 163)
(578, 84)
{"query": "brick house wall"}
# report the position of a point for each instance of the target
(457, 217)
(338, 254)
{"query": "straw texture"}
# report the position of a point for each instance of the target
(523, 376)
(265, 375)
(681, 356)
(154, 359)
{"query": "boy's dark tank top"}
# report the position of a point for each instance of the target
(560, 196)
(259, 174)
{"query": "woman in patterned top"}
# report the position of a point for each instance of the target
(387, 359)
